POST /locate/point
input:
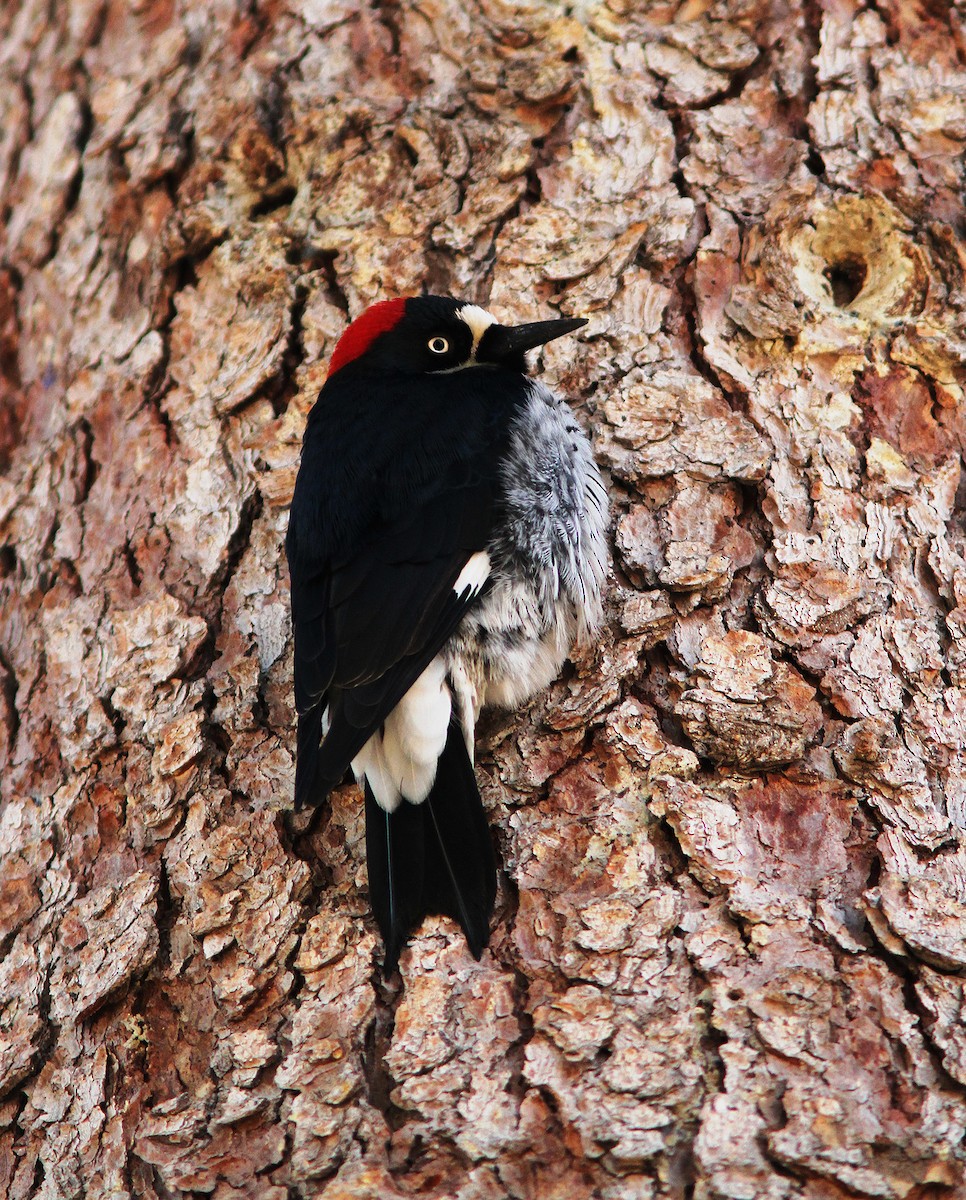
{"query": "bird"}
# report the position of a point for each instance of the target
(447, 547)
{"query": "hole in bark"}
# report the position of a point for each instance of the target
(846, 278)
(815, 163)
(273, 201)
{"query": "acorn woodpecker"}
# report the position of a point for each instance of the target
(446, 546)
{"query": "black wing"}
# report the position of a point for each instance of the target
(367, 625)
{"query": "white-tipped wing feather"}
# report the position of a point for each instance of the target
(474, 574)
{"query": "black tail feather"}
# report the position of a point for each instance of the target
(434, 857)
(460, 869)
(394, 858)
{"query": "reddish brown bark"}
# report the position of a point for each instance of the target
(731, 936)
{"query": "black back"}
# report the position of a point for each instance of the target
(398, 487)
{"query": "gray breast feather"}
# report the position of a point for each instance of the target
(549, 560)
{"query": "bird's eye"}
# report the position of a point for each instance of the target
(438, 345)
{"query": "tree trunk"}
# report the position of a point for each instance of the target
(731, 932)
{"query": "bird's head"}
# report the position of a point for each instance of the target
(435, 334)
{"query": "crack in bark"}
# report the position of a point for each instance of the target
(378, 1039)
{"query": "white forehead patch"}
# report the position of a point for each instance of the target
(479, 321)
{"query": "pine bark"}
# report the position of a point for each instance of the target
(729, 953)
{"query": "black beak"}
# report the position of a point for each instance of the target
(501, 342)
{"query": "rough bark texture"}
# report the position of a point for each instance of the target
(731, 941)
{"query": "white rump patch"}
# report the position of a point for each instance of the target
(400, 761)
(474, 574)
(479, 321)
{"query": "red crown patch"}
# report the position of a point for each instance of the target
(364, 330)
